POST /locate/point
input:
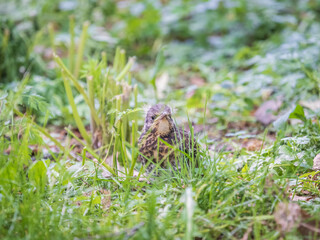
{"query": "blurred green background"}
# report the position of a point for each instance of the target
(248, 48)
(231, 67)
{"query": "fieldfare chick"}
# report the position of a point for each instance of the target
(159, 124)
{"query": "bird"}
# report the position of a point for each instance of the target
(161, 141)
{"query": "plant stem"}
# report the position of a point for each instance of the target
(75, 113)
(135, 95)
(123, 149)
(125, 70)
(78, 87)
(4, 44)
(72, 45)
(83, 39)
(91, 99)
(116, 61)
(104, 59)
(51, 35)
(91, 151)
(133, 143)
(122, 59)
(41, 130)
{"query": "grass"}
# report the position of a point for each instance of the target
(62, 198)
(68, 134)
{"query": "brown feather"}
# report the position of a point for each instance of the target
(159, 125)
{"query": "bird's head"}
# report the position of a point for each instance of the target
(158, 120)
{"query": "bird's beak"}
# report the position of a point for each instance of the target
(164, 124)
(164, 115)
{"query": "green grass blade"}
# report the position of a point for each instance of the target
(75, 113)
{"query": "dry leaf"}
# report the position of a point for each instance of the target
(316, 162)
(162, 84)
(266, 93)
(198, 81)
(287, 216)
(264, 113)
(221, 146)
(8, 150)
(190, 93)
(97, 139)
(106, 199)
(313, 105)
(297, 198)
(252, 144)
(247, 233)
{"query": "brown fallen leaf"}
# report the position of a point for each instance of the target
(316, 167)
(162, 84)
(77, 147)
(252, 144)
(197, 128)
(316, 163)
(106, 199)
(309, 226)
(97, 139)
(266, 93)
(198, 81)
(190, 93)
(290, 216)
(264, 113)
(247, 233)
(287, 216)
(8, 150)
(313, 105)
(297, 198)
(222, 147)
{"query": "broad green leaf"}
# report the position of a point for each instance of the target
(244, 171)
(298, 113)
(158, 66)
(281, 121)
(293, 113)
(38, 174)
(96, 200)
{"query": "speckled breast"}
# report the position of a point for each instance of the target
(157, 151)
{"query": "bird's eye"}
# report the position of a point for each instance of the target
(153, 117)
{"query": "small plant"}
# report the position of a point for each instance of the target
(107, 92)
